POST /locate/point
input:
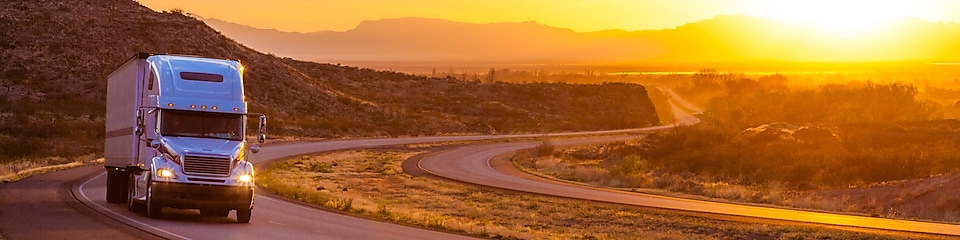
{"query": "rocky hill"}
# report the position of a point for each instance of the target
(55, 57)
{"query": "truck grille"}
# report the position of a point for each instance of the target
(206, 165)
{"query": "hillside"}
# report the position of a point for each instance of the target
(734, 38)
(55, 57)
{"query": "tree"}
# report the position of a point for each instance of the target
(706, 79)
(492, 75)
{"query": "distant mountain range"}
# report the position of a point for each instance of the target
(734, 38)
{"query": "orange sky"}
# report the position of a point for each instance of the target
(579, 15)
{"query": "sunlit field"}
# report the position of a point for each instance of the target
(878, 144)
(373, 184)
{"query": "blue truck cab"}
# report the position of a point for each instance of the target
(176, 136)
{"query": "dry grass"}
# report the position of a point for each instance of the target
(372, 184)
(930, 199)
(15, 171)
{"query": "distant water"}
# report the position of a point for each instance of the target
(745, 73)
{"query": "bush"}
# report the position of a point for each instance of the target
(178, 11)
(632, 164)
(545, 148)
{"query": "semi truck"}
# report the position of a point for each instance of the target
(176, 136)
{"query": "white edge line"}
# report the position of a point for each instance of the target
(82, 193)
(309, 208)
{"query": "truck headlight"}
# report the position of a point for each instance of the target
(166, 173)
(245, 178)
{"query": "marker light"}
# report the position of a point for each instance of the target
(169, 104)
(203, 107)
(236, 109)
(214, 107)
(165, 173)
(193, 106)
(245, 178)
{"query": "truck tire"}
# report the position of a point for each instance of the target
(243, 214)
(212, 212)
(132, 204)
(154, 207)
(116, 191)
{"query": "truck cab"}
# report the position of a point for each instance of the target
(178, 139)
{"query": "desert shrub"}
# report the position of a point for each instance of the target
(321, 167)
(178, 11)
(863, 153)
(545, 148)
(631, 165)
(835, 103)
(862, 133)
(591, 174)
(585, 153)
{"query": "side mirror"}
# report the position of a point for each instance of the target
(155, 143)
(255, 149)
(139, 128)
(262, 135)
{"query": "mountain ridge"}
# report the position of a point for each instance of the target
(724, 38)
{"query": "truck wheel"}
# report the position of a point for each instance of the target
(215, 212)
(243, 215)
(132, 203)
(154, 207)
(115, 188)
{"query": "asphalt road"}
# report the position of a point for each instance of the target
(42, 207)
(472, 164)
(70, 204)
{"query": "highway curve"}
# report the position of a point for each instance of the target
(472, 164)
(71, 204)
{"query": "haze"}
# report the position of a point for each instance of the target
(594, 32)
(683, 119)
(582, 16)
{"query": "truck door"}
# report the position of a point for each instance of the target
(147, 121)
(147, 87)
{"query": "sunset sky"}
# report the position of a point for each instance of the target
(579, 15)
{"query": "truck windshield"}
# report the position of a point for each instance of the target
(201, 124)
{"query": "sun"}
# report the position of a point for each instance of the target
(836, 16)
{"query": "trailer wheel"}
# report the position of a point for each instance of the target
(115, 186)
(154, 207)
(243, 214)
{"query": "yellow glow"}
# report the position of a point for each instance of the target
(165, 173)
(820, 30)
(245, 178)
(840, 16)
(594, 15)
